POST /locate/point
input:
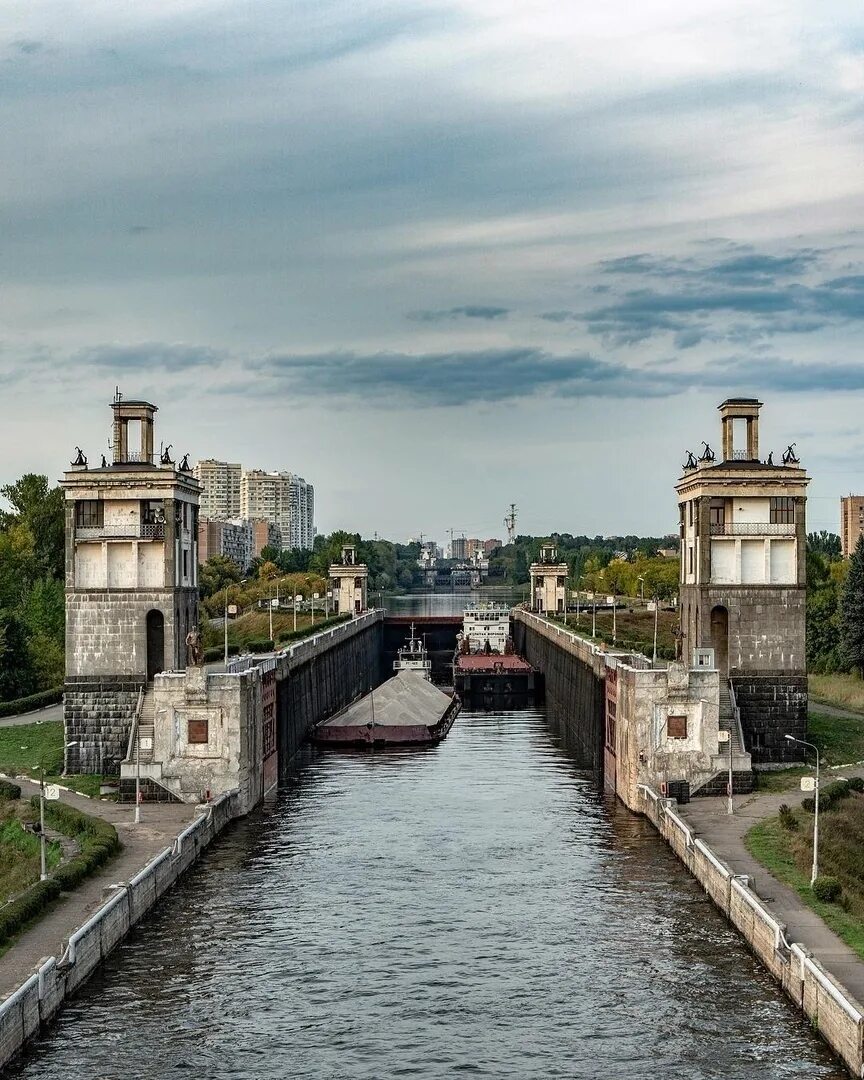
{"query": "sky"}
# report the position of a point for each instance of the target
(437, 257)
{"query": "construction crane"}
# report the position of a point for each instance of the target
(510, 523)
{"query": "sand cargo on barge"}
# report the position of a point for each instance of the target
(406, 709)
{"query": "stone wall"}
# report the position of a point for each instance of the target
(772, 705)
(98, 712)
(35, 1003)
(830, 1007)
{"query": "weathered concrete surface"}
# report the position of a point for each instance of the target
(93, 925)
(821, 975)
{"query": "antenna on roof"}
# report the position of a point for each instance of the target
(510, 523)
(117, 395)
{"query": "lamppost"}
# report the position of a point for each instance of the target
(641, 581)
(227, 587)
(296, 599)
(656, 610)
(43, 869)
(315, 596)
(814, 873)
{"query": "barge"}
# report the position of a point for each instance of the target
(486, 669)
(407, 709)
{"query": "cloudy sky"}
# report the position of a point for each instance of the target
(437, 255)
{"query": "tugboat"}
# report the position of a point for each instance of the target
(486, 669)
(414, 657)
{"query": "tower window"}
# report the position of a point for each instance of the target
(89, 513)
(782, 511)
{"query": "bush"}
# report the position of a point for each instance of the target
(835, 791)
(260, 645)
(326, 624)
(787, 818)
(97, 840)
(218, 653)
(809, 804)
(856, 783)
(827, 889)
(31, 702)
(9, 791)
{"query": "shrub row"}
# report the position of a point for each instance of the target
(297, 635)
(260, 645)
(833, 793)
(97, 840)
(218, 653)
(9, 791)
(31, 703)
(827, 889)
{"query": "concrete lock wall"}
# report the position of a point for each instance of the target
(831, 1008)
(573, 673)
(38, 999)
(318, 677)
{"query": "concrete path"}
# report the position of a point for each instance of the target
(40, 716)
(159, 825)
(832, 710)
(725, 836)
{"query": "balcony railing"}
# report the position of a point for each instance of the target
(754, 528)
(133, 531)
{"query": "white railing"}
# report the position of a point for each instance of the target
(133, 731)
(753, 528)
(133, 531)
(736, 715)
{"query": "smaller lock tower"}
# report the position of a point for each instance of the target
(131, 583)
(548, 581)
(349, 582)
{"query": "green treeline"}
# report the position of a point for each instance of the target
(32, 604)
(835, 606)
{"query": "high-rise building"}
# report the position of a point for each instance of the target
(851, 522)
(458, 548)
(233, 539)
(282, 498)
(220, 499)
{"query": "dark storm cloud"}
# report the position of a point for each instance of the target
(461, 377)
(755, 290)
(149, 355)
(469, 311)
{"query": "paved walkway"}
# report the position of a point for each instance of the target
(41, 716)
(725, 836)
(159, 825)
(814, 706)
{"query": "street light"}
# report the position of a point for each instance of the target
(815, 871)
(296, 599)
(227, 587)
(43, 870)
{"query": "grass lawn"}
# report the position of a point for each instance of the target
(840, 738)
(844, 691)
(788, 855)
(255, 626)
(635, 626)
(24, 747)
(19, 850)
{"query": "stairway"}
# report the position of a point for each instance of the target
(146, 728)
(727, 719)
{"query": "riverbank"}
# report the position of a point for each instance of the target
(818, 971)
(89, 923)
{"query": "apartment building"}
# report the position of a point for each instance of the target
(282, 498)
(220, 480)
(851, 522)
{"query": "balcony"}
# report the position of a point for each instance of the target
(133, 531)
(754, 528)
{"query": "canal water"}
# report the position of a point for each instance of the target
(474, 909)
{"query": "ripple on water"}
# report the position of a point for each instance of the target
(476, 908)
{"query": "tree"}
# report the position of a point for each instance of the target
(216, 573)
(852, 618)
(39, 509)
(824, 543)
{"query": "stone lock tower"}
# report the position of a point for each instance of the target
(743, 579)
(548, 581)
(131, 584)
(350, 583)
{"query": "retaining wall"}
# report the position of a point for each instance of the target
(831, 1009)
(37, 1000)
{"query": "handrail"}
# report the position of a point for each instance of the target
(736, 715)
(133, 731)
